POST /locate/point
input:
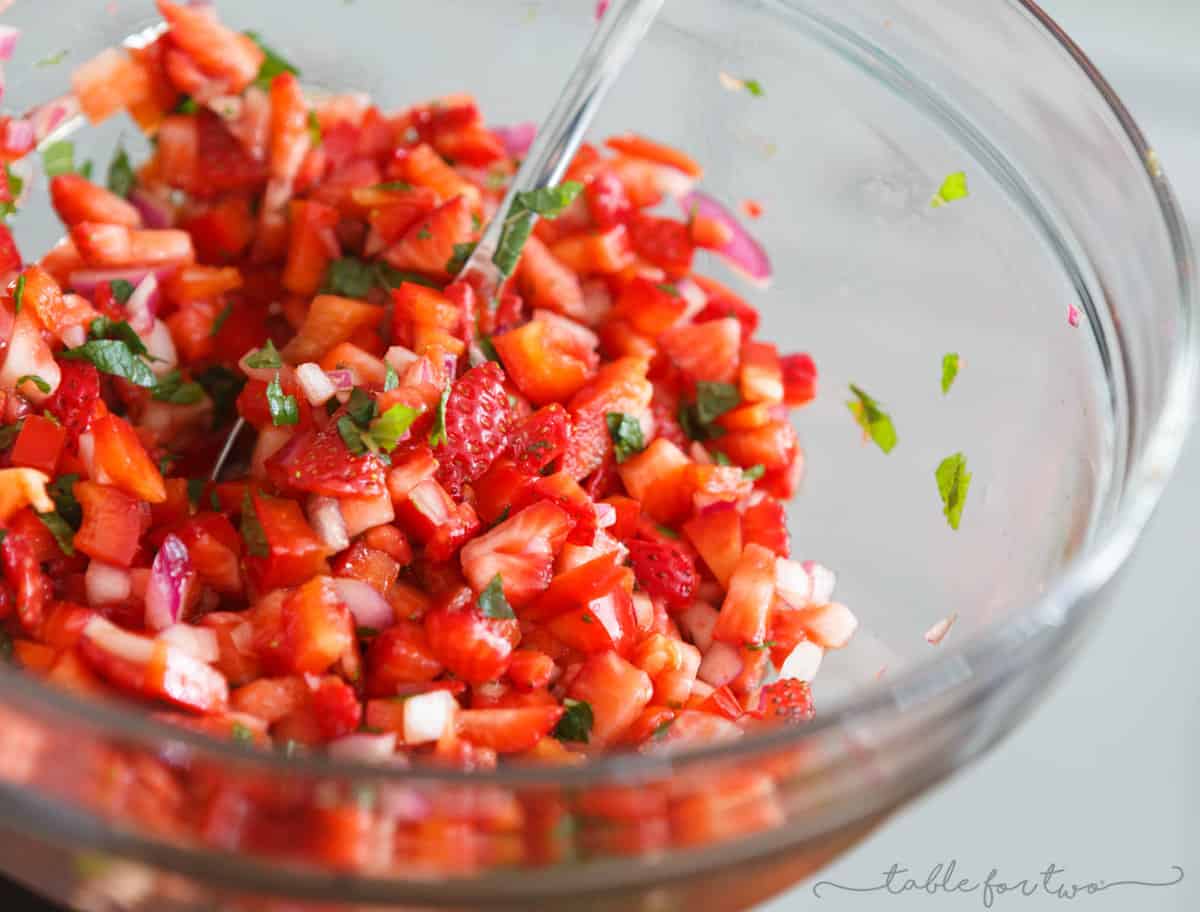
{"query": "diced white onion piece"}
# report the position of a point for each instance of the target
(363, 513)
(370, 609)
(400, 358)
(721, 664)
(161, 347)
(364, 747)
(823, 581)
(318, 388)
(325, 514)
(428, 716)
(802, 662)
(938, 631)
(198, 642)
(106, 584)
(830, 625)
(792, 582)
(121, 644)
(698, 621)
(606, 515)
(143, 304)
(74, 336)
(243, 637)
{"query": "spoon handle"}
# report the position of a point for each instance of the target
(621, 30)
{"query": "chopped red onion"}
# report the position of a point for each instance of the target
(314, 383)
(938, 631)
(721, 664)
(143, 304)
(342, 379)
(106, 584)
(85, 281)
(117, 642)
(1073, 315)
(606, 515)
(155, 212)
(601, 9)
(19, 135)
(53, 114)
(170, 576)
(364, 747)
(743, 252)
(8, 41)
(198, 642)
(370, 609)
(802, 662)
(326, 517)
(518, 138)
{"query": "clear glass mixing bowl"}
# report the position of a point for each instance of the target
(1071, 434)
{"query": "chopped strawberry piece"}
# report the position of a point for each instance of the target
(477, 422)
(397, 656)
(744, 614)
(521, 550)
(799, 379)
(318, 462)
(508, 731)
(473, 647)
(786, 700)
(539, 439)
(616, 691)
(664, 570)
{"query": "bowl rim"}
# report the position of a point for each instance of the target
(991, 655)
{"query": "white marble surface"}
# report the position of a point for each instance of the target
(1101, 781)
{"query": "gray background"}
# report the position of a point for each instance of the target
(1102, 780)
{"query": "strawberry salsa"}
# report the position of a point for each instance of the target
(531, 524)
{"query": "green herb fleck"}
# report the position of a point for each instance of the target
(403, 186)
(755, 472)
(59, 158)
(120, 330)
(53, 59)
(492, 602)
(576, 722)
(488, 348)
(662, 728)
(9, 434)
(754, 87)
(668, 288)
(122, 290)
(19, 293)
(241, 733)
(266, 358)
(950, 365)
(314, 128)
(390, 277)
(114, 357)
(365, 633)
(187, 105)
(62, 492)
(667, 532)
(715, 399)
(391, 380)
(285, 410)
(361, 407)
(252, 531)
(462, 253)
(62, 532)
(760, 647)
(953, 480)
(393, 424)
(626, 434)
(871, 417)
(437, 436)
(548, 202)
(223, 387)
(721, 459)
(273, 64)
(350, 278)
(195, 490)
(219, 322)
(37, 381)
(351, 435)
(172, 388)
(954, 187)
(16, 184)
(121, 179)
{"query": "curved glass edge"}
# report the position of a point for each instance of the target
(991, 656)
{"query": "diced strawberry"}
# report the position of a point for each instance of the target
(428, 245)
(39, 444)
(289, 127)
(477, 423)
(10, 257)
(620, 387)
(23, 571)
(221, 163)
(722, 302)
(664, 242)
(400, 655)
(217, 49)
(330, 321)
(76, 199)
(650, 307)
(716, 533)
(221, 231)
(765, 523)
(771, 446)
(539, 439)
(744, 614)
(214, 547)
(122, 460)
(705, 351)
(641, 147)
(616, 691)
(311, 246)
(564, 491)
(799, 379)
(289, 552)
(336, 708)
(318, 462)
(664, 570)
(785, 701)
(424, 167)
(108, 82)
(118, 246)
(544, 365)
(531, 669)
(473, 647)
(607, 201)
(432, 517)
(595, 252)
(309, 630)
(508, 731)
(547, 284)
(521, 550)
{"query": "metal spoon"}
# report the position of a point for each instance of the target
(621, 30)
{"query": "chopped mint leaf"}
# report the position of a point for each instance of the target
(114, 357)
(576, 722)
(53, 59)
(393, 424)
(721, 459)
(105, 328)
(953, 480)
(62, 492)
(63, 533)
(667, 532)
(59, 158)
(314, 128)
(950, 364)
(9, 433)
(626, 434)
(662, 728)
(351, 435)
(121, 179)
(195, 490)
(715, 399)
(548, 202)
(219, 322)
(755, 472)
(266, 357)
(37, 381)
(16, 184)
(391, 380)
(172, 388)
(492, 602)
(241, 733)
(285, 410)
(252, 531)
(390, 277)
(361, 407)
(19, 293)
(403, 186)
(122, 290)
(223, 387)
(462, 253)
(424, 234)
(871, 417)
(350, 278)
(954, 187)
(273, 64)
(754, 87)
(187, 105)
(437, 436)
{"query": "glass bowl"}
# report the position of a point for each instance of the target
(1070, 433)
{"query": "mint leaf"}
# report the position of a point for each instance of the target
(16, 184)
(113, 357)
(361, 407)
(626, 434)
(715, 399)
(350, 278)
(63, 533)
(223, 387)
(954, 187)
(873, 419)
(754, 87)
(120, 330)
(576, 722)
(266, 357)
(241, 733)
(953, 481)
(59, 158)
(548, 202)
(37, 381)
(19, 293)
(62, 492)
(273, 64)
(462, 253)
(219, 322)
(950, 364)
(492, 602)
(351, 435)
(437, 436)
(9, 434)
(122, 290)
(252, 531)
(755, 472)
(285, 410)
(172, 388)
(393, 424)
(121, 179)
(390, 277)
(391, 379)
